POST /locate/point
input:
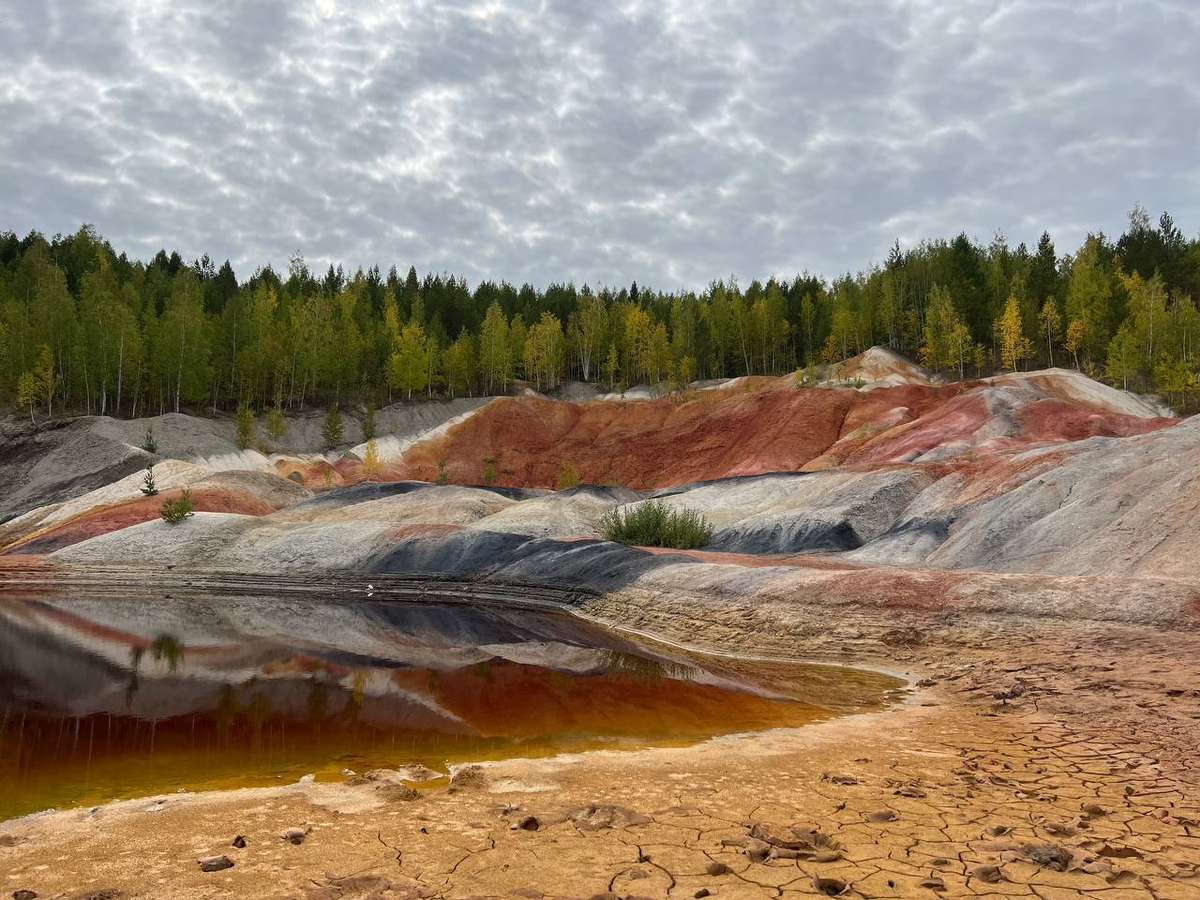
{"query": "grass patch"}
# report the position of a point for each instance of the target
(655, 524)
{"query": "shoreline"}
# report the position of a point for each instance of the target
(1020, 723)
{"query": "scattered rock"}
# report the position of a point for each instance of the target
(910, 790)
(1094, 810)
(883, 815)
(296, 835)
(24, 895)
(933, 883)
(215, 863)
(418, 773)
(398, 792)
(239, 841)
(717, 868)
(703, 892)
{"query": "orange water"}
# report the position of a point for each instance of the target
(91, 710)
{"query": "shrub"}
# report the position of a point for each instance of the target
(489, 470)
(443, 476)
(175, 511)
(149, 488)
(149, 444)
(332, 429)
(655, 524)
(244, 435)
(277, 425)
(369, 422)
(567, 477)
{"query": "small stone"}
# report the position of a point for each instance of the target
(214, 863)
(933, 883)
(295, 835)
(840, 778)
(307, 779)
(717, 868)
(24, 895)
(883, 815)
(703, 892)
(239, 841)
(526, 823)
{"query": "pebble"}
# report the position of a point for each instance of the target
(214, 863)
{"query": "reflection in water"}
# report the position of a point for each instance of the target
(236, 691)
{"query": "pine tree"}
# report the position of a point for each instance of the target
(149, 488)
(332, 429)
(369, 422)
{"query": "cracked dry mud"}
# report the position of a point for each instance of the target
(1043, 760)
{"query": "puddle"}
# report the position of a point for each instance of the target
(104, 698)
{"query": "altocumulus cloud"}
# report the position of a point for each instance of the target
(671, 142)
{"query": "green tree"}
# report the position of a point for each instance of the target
(1051, 323)
(567, 477)
(332, 430)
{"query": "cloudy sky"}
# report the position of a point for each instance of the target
(669, 142)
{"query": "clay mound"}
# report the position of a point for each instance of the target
(1077, 389)
(654, 443)
(1125, 506)
(560, 514)
(876, 367)
(198, 542)
(837, 510)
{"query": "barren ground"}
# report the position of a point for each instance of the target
(1038, 757)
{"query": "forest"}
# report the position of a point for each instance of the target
(84, 329)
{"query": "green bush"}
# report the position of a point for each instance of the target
(244, 434)
(175, 511)
(489, 470)
(655, 524)
(443, 477)
(149, 444)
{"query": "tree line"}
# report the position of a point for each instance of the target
(85, 329)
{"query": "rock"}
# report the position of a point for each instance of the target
(398, 792)
(717, 868)
(757, 850)
(841, 778)
(526, 823)
(703, 892)
(214, 863)
(1048, 856)
(1094, 810)
(883, 815)
(24, 895)
(296, 835)
(988, 874)
(933, 883)
(604, 815)
(239, 841)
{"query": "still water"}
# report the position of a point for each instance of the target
(110, 697)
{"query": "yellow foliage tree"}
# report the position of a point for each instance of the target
(1014, 346)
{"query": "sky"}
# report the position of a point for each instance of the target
(668, 142)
